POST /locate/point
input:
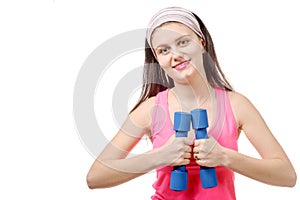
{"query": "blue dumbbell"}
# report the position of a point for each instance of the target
(208, 175)
(179, 174)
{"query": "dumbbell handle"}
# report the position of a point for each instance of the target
(179, 176)
(208, 175)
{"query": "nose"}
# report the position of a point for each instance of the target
(176, 55)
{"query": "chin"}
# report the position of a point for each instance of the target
(185, 80)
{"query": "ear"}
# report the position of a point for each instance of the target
(203, 42)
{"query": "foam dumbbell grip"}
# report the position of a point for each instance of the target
(208, 175)
(179, 174)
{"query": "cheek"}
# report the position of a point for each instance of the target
(192, 50)
(195, 54)
(163, 61)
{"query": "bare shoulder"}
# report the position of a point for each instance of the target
(146, 106)
(142, 115)
(238, 100)
(241, 106)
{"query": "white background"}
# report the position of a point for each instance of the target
(43, 45)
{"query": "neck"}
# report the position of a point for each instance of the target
(192, 95)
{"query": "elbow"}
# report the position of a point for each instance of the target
(93, 181)
(96, 180)
(99, 177)
(292, 180)
(90, 180)
(289, 179)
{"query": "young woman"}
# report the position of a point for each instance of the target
(182, 73)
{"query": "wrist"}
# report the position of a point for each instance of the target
(226, 157)
(155, 158)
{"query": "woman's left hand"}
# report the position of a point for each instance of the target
(208, 152)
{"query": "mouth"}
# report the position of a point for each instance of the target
(181, 65)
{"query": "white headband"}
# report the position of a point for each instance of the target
(173, 14)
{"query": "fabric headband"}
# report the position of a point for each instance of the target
(173, 14)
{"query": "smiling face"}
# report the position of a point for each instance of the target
(178, 50)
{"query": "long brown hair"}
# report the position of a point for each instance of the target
(155, 80)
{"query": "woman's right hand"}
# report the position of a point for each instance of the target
(176, 151)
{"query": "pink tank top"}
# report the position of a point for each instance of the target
(224, 130)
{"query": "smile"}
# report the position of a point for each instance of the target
(182, 65)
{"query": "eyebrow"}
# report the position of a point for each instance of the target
(175, 41)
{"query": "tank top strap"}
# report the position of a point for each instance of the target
(223, 100)
(160, 114)
(226, 122)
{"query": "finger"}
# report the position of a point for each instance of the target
(196, 149)
(201, 162)
(187, 155)
(188, 149)
(188, 141)
(200, 156)
(186, 161)
(196, 142)
(182, 161)
(196, 156)
(199, 142)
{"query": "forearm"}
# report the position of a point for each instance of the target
(274, 171)
(108, 173)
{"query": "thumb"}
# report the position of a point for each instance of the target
(189, 141)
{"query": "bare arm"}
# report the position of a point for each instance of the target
(274, 167)
(113, 167)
